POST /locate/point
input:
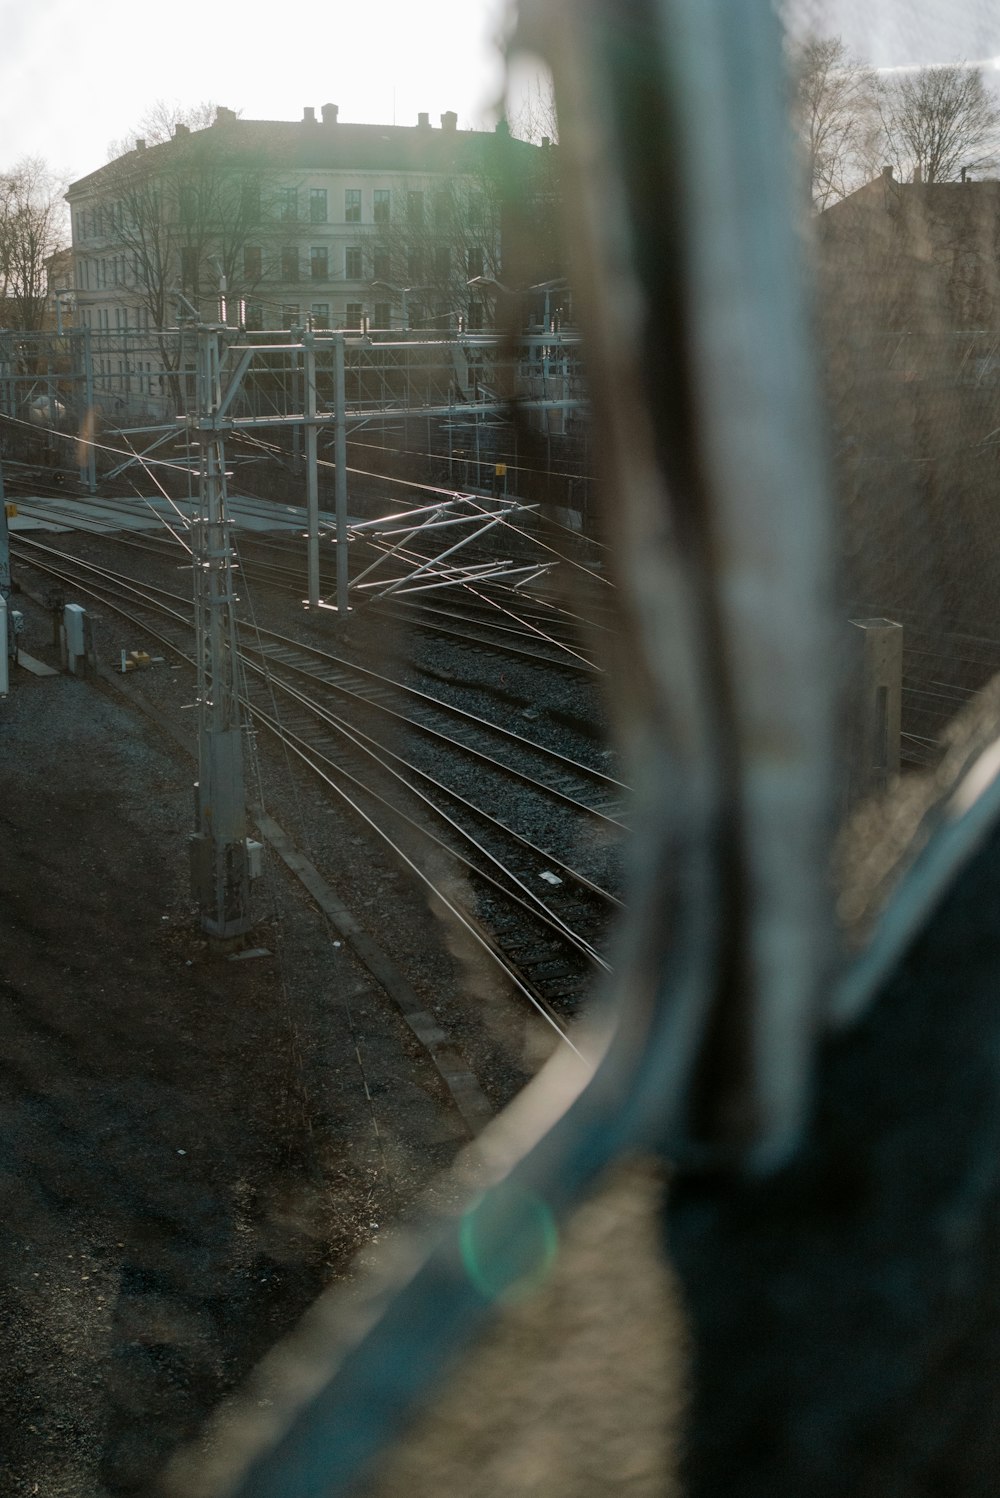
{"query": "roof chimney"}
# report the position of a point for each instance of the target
(424, 121)
(918, 174)
(887, 175)
(140, 144)
(330, 112)
(181, 129)
(308, 115)
(449, 120)
(224, 116)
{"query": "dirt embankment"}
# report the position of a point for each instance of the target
(192, 1147)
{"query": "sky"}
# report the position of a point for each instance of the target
(910, 33)
(74, 77)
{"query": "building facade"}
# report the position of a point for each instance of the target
(313, 223)
(915, 257)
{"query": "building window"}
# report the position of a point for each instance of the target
(415, 315)
(250, 202)
(381, 265)
(319, 314)
(254, 316)
(352, 263)
(189, 265)
(290, 262)
(442, 210)
(475, 263)
(414, 267)
(355, 312)
(288, 204)
(475, 319)
(290, 315)
(476, 208)
(381, 205)
(317, 205)
(187, 203)
(251, 262)
(319, 264)
(352, 205)
(383, 315)
(415, 207)
(442, 263)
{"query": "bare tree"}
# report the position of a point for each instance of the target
(938, 121)
(160, 122)
(534, 116)
(32, 224)
(834, 112)
(431, 244)
(427, 248)
(183, 211)
(533, 217)
(455, 251)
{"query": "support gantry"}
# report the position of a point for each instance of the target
(220, 856)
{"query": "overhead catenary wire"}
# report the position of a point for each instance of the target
(79, 439)
(436, 893)
(303, 837)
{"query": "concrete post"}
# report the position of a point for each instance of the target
(74, 638)
(876, 684)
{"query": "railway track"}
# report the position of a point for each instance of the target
(485, 619)
(492, 823)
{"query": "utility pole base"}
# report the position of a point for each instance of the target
(220, 883)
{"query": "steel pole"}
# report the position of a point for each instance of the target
(88, 468)
(4, 543)
(340, 468)
(312, 476)
(219, 855)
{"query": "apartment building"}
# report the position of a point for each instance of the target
(312, 223)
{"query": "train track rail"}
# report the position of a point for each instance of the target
(485, 617)
(486, 819)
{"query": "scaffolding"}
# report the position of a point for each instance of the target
(445, 399)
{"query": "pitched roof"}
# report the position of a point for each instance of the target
(328, 145)
(940, 199)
